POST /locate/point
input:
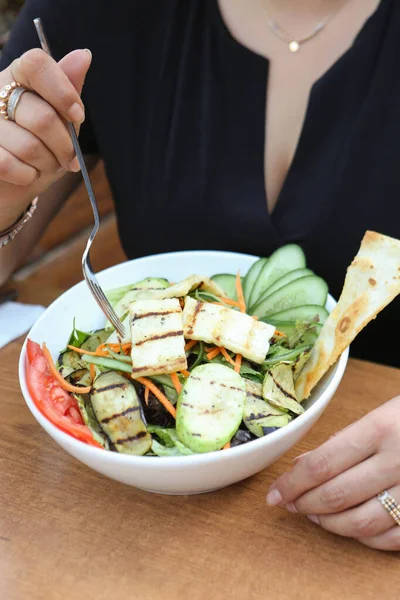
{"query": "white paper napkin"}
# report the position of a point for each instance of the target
(16, 319)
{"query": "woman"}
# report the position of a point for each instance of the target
(175, 104)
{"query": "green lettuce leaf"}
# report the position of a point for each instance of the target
(168, 444)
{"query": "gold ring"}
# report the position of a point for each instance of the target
(5, 93)
(390, 505)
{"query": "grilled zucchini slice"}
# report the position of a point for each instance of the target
(210, 408)
(259, 414)
(118, 411)
(278, 388)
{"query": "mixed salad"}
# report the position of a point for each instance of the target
(205, 365)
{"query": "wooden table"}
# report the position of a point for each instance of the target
(67, 532)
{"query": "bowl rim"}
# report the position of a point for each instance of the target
(118, 458)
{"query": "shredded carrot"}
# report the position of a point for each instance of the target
(231, 302)
(92, 371)
(158, 394)
(114, 347)
(60, 379)
(190, 345)
(238, 362)
(80, 351)
(255, 317)
(185, 373)
(146, 395)
(227, 357)
(277, 332)
(239, 290)
(176, 382)
(227, 446)
(213, 353)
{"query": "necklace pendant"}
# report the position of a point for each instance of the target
(294, 46)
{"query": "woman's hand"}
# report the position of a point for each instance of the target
(336, 485)
(36, 149)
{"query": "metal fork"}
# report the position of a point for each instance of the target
(87, 269)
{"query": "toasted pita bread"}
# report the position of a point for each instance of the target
(372, 282)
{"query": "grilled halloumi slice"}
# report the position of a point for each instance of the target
(158, 344)
(225, 327)
(177, 290)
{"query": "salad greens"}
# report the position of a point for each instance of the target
(207, 364)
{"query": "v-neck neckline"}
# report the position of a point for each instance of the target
(260, 61)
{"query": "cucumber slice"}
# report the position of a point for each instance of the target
(306, 290)
(284, 280)
(210, 408)
(251, 278)
(228, 283)
(307, 312)
(285, 259)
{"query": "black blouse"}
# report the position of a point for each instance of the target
(176, 108)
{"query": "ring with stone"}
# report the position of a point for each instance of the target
(13, 100)
(5, 93)
(390, 505)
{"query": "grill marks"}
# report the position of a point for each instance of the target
(252, 395)
(282, 389)
(107, 388)
(191, 324)
(132, 438)
(158, 344)
(121, 414)
(212, 382)
(137, 317)
(171, 367)
(162, 336)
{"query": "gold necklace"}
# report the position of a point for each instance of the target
(295, 44)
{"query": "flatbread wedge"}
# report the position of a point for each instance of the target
(372, 282)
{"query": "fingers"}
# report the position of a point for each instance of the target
(350, 447)
(75, 65)
(350, 488)
(27, 147)
(39, 72)
(37, 116)
(368, 520)
(390, 540)
(14, 171)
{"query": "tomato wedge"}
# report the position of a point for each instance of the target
(56, 404)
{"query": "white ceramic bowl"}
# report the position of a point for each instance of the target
(172, 475)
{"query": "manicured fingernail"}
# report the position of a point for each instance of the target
(313, 518)
(301, 456)
(74, 165)
(274, 498)
(291, 507)
(90, 54)
(76, 113)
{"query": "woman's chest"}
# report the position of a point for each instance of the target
(291, 76)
